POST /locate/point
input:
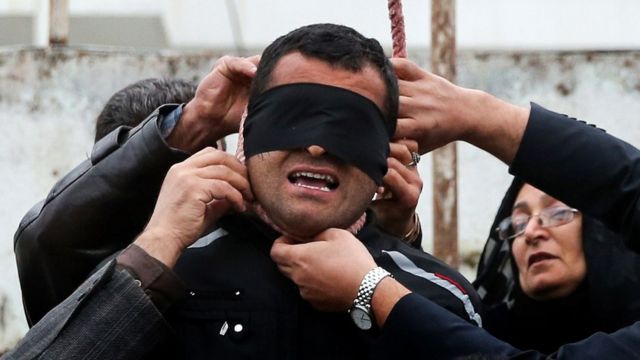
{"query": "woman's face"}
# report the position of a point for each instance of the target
(550, 260)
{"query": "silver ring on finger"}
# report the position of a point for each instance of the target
(415, 159)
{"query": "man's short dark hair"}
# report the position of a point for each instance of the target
(135, 102)
(338, 45)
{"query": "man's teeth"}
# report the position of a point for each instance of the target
(324, 188)
(329, 182)
(325, 177)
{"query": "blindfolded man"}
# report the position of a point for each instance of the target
(322, 109)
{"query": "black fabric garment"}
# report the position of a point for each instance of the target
(607, 300)
(243, 287)
(414, 319)
(229, 272)
(296, 116)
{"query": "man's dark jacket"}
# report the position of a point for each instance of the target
(109, 317)
(238, 304)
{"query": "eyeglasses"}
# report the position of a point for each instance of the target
(515, 225)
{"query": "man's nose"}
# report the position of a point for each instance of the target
(316, 150)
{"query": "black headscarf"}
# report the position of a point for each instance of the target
(608, 298)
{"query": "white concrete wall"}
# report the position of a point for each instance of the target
(48, 101)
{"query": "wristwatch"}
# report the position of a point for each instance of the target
(361, 310)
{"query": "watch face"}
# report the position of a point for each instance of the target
(361, 318)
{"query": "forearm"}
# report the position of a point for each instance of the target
(418, 327)
(123, 175)
(111, 300)
(584, 167)
(159, 246)
(415, 327)
(91, 213)
(192, 134)
(386, 295)
(622, 344)
(493, 125)
(572, 161)
(435, 112)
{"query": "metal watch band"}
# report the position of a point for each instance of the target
(368, 285)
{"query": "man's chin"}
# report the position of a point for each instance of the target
(301, 233)
(304, 228)
(304, 224)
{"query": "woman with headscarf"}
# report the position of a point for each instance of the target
(556, 279)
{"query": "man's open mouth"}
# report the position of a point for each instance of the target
(315, 181)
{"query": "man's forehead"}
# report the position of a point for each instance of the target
(297, 68)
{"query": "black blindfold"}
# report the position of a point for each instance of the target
(296, 116)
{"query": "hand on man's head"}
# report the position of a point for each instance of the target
(194, 195)
(429, 107)
(328, 270)
(217, 107)
(435, 112)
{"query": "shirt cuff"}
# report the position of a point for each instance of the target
(167, 123)
(160, 283)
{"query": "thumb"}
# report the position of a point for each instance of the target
(284, 239)
(281, 249)
(406, 69)
(255, 59)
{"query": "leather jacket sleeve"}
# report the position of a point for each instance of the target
(92, 212)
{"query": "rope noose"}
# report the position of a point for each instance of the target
(397, 29)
